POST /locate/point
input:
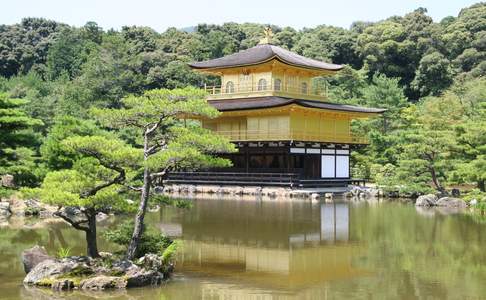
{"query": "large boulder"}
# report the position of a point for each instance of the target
(34, 207)
(123, 266)
(5, 209)
(100, 217)
(7, 180)
(146, 274)
(141, 277)
(151, 261)
(47, 271)
(33, 256)
(103, 282)
(426, 200)
(93, 274)
(451, 202)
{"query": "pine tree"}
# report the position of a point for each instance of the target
(16, 140)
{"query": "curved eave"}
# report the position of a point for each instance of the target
(215, 69)
(274, 102)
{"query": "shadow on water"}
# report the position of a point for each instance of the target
(260, 249)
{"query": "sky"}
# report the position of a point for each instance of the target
(161, 14)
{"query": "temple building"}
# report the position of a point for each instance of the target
(286, 131)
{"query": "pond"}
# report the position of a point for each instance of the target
(255, 249)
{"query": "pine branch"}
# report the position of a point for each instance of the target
(75, 224)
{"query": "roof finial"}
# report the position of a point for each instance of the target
(268, 36)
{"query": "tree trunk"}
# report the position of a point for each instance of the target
(482, 186)
(435, 181)
(91, 235)
(139, 218)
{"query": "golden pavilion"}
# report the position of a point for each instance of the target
(286, 131)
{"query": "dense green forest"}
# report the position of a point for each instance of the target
(429, 75)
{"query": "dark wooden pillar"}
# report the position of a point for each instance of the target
(247, 160)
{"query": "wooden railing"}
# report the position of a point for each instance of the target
(270, 88)
(226, 178)
(285, 135)
(292, 180)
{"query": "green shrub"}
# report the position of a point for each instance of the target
(480, 197)
(168, 253)
(151, 241)
(5, 193)
(32, 211)
(63, 252)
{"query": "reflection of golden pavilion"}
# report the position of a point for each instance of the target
(298, 255)
(286, 131)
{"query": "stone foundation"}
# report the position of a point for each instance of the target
(220, 191)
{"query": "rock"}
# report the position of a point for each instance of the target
(62, 285)
(100, 217)
(7, 180)
(191, 189)
(50, 269)
(33, 256)
(374, 192)
(451, 202)
(392, 194)
(238, 191)
(93, 274)
(473, 202)
(5, 209)
(32, 207)
(123, 266)
(426, 200)
(103, 282)
(442, 194)
(455, 193)
(43, 271)
(155, 208)
(150, 262)
(355, 191)
(71, 211)
(141, 277)
(105, 255)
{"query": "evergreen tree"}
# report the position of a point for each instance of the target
(17, 140)
(167, 143)
(94, 184)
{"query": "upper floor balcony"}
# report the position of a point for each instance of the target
(263, 88)
(245, 135)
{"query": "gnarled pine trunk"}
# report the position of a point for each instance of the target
(92, 245)
(142, 209)
(482, 185)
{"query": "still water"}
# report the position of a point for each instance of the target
(253, 249)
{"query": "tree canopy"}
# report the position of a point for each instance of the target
(59, 82)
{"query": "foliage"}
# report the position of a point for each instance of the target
(93, 184)
(17, 141)
(433, 75)
(5, 193)
(56, 154)
(150, 242)
(169, 253)
(63, 252)
(168, 142)
(428, 75)
(471, 156)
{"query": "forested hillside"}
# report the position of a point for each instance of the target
(428, 74)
